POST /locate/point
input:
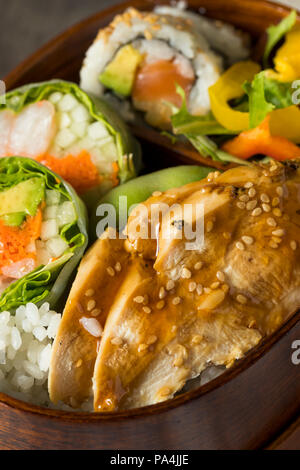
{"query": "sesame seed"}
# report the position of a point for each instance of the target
(278, 232)
(186, 273)
(110, 271)
(275, 201)
(142, 347)
(293, 245)
(248, 185)
(277, 240)
(252, 324)
(241, 205)
(251, 205)
(160, 305)
(192, 286)
(199, 289)
(227, 235)
(198, 265)
(240, 246)
(273, 244)
(178, 361)
(148, 35)
(118, 267)
(221, 276)
(225, 288)
(91, 305)
(96, 312)
(271, 222)
(152, 339)
(90, 292)
(176, 300)
(79, 363)
(279, 191)
(252, 192)
(277, 212)
(117, 341)
(170, 285)
(207, 290)
(147, 309)
(247, 240)
(244, 198)
(241, 299)
(209, 226)
(165, 391)
(256, 212)
(264, 198)
(266, 207)
(197, 339)
(157, 193)
(139, 299)
(215, 285)
(162, 293)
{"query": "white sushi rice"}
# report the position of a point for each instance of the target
(25, 351)
(77, 131)
(232, 43)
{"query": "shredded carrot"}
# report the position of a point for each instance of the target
(78, 170)
(115, 174)
(15, 241)
(260, 141)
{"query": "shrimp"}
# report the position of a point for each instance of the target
(6, 122)
(33, 130)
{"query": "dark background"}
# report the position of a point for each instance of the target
(25, 25)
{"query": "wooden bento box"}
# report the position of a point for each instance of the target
(252, 405)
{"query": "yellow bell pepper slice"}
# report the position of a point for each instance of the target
(228, 87)
(287, 59)
(286, 123)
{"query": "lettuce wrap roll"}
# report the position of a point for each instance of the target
(43, 233)
(74, 134)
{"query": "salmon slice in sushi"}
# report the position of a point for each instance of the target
(141, 56)
(42, 233)
(77, 136)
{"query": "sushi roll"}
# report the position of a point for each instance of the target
(43, 233)
(78, 136)
(141, 57)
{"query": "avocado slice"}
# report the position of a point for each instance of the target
(21, 200)
(119, 74)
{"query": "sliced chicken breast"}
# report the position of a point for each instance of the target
(174, 310)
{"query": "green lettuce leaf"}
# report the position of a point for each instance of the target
(197, 128)
(185, 123)
(277, 32)
(208, 148)
(98, 109)
(259, 107)
(280, 94)
(265, 95)
(45, 283)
